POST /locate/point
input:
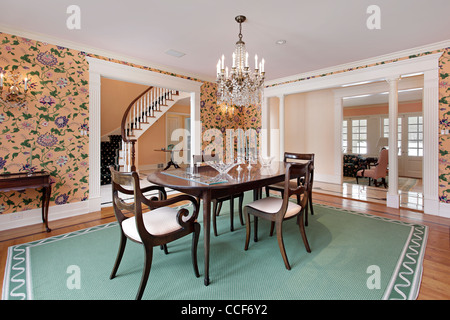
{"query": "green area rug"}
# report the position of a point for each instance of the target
(354, 256)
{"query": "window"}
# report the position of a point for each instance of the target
(415, 136)
(359, 136)
(344, 137)
(399, 132)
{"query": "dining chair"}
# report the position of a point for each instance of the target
(290, 156)
(156, 227)
(217, 203)
(277, 210)
(378, 172)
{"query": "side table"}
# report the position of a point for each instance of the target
(21, 181)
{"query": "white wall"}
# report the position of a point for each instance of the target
(309, 128)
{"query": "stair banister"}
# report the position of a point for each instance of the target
(123, 127)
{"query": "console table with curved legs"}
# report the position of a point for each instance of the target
(35, 180)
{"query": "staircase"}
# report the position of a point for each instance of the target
(140, 115)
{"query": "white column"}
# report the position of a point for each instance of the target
(196, 125)
(265, 127)
(393, 199)
(430, 172)
(338, 154)
(281, 120)
(94, 142)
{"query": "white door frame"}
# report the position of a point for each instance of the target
(429, 66)
(101, 68)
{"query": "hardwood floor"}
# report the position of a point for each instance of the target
(410, 199)
(435, 280)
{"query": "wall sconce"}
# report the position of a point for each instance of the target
(13, 95)
(228, 111)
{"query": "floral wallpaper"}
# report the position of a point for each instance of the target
(220, 117)
(46, 132)
(444, 114)
(51, 131)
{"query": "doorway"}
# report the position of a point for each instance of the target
(100, 68)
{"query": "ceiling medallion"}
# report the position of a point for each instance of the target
(240, 86)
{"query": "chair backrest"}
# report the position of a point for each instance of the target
(128, 184)
(298, 156)
(302, 172)
(123, 182)
(291, 157)
(381, 168)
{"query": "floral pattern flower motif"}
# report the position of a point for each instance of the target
(46, 58)
(61, 83)
(61, 122)
(61, 199)
(62, 160)
(47, 100)
(2, 162)
(47, 140)
(28, 168)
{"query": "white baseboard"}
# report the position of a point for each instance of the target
(327, 178)
(444, 210)
(34, 216)
(95, 204)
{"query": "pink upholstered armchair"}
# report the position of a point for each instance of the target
(378, 172)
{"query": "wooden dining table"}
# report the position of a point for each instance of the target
(209, 184)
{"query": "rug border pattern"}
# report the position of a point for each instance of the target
(18, 270)
(17, 279)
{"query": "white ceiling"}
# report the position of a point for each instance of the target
(319, 34)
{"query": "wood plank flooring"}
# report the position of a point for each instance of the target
(435, 280)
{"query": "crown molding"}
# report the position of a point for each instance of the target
(365, 62)
(97, 51)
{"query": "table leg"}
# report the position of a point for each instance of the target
(46, 191)
(206, 230)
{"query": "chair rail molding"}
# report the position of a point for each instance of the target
(100, 68)
(429, 66)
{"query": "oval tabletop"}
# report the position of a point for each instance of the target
(209, 178)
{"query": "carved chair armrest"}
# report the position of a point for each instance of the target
(153, 204)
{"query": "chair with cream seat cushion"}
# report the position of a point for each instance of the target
(156, 227)
(278, 210)
(295, 157)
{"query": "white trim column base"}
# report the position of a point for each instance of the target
(443, 209)
(95, 204)
(393, 201)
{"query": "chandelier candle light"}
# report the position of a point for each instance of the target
(240, 86)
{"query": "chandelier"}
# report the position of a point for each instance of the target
(240, 86)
